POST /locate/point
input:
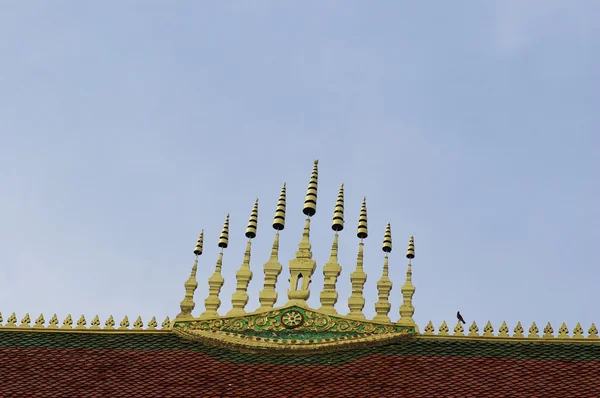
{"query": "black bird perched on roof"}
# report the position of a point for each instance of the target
(460, 318)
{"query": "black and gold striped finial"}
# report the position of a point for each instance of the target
(253, 222)
(362, 232)
(338, 212)
(279, 220)
(199, 244)
(410, 253)
(387, 239)
(224, 238)
(310, 202)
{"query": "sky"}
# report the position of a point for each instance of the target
(128, 127)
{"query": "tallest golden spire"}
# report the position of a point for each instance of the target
(303, 266)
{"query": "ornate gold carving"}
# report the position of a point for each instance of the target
(533, 331)
(459, 330)
(473, 330)
(518, 331)
(503, 331)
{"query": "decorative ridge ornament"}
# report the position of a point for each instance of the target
(384, 286)
(187, 305)
(408, 290)
(356, 301)
(332, 270)
(303, 266)
(240, 298)
(215, 282)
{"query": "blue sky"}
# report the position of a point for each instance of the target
(127, 127)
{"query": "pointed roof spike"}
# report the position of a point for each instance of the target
(387, 239)
(310, 202)
(279, 220)
(199, 244)
(410, 253)
(338, 212)
(253, 222)
(224, 238)
(362, 232)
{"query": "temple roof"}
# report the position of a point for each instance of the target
(287, 349)
(160, 364)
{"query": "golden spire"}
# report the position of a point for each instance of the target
(408, 290)
(187, 304)
(279, 220)
(384, 286)
(215, 282)
(272, 268)
(356, 301)
(303, 266)
(310, 202)
(239, 299)
(332, 269)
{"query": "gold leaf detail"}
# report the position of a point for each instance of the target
(563, 332)
(12, 320)
(39, 322)
(533, 331)
(25, 321)
(152, 324)
(167, 323)
(503, 331)
(53, 322)
(578, 331)
(110, 323)
(443, 330)
(138, 324)
(459, 330)
(124, 325)
(81, 323)
(592, 332)
(488, 330)
(68, 322)
(95, 323)
(474, 330)
(518, 331)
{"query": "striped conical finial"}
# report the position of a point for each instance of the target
(338, 212)
(200, 244)
(362, 221)
(253, 222)
(187, 305)
(279, 220)
(224, 238)
(387, 239)
(384, 285)
(410, 253)
(310, 202)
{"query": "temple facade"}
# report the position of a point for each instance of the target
(293, 350)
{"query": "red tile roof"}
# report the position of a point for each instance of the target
(46, 364)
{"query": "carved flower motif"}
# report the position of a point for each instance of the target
(292, 319)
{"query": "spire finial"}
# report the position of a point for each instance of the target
(332, 269)
(384, 286)
(239, 299)
(272, 268)
(362, 220)
(253, 222)
(303, 266)
(224, 238)
(356, 301)
(215, 282)
(279, 220)
(408, 290)
(310, 202)
(199, 244)
(410, 253)
(187, 305)
(338, 212)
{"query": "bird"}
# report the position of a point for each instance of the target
(460, 318)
